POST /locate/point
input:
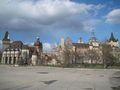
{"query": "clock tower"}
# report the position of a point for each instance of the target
(6, 40)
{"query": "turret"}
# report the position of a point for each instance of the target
(6, 40)
(113, 41)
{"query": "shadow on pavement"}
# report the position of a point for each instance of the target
(49, 82)
(116, 88)
(115, 81)
(42, 72)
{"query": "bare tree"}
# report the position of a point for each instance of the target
(68, 52)
(107, 55)
(79, 57)
(94, 56)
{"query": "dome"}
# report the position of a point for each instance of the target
(37, 43)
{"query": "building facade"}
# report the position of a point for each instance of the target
(19, 53)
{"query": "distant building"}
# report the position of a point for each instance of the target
(18, 53)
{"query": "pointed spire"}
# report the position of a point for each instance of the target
(80, 40)
(93, 38)
(112, 38)
(6, 37)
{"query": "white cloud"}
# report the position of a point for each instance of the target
(37, 14)
(90, 23)
(47, 47)
(113, 16)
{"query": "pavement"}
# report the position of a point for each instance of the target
(53, 78)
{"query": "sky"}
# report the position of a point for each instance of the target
(52, 19)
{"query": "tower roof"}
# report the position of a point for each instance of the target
(112, 38)
(6, 37)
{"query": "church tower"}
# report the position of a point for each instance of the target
(6, 40)
(113, 41)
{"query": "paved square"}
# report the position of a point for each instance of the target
(52, 78)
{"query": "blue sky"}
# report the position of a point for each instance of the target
(52, 19)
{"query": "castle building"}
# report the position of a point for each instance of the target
(92, 44)
(92, 47)
(19, 53)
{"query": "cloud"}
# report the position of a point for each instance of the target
(31, 15)
(113, 16)
(46, 18)
(47, 47)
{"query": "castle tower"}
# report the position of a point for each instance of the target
(113, 41)
(93, 42)
(38, 45)
(6, 40)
